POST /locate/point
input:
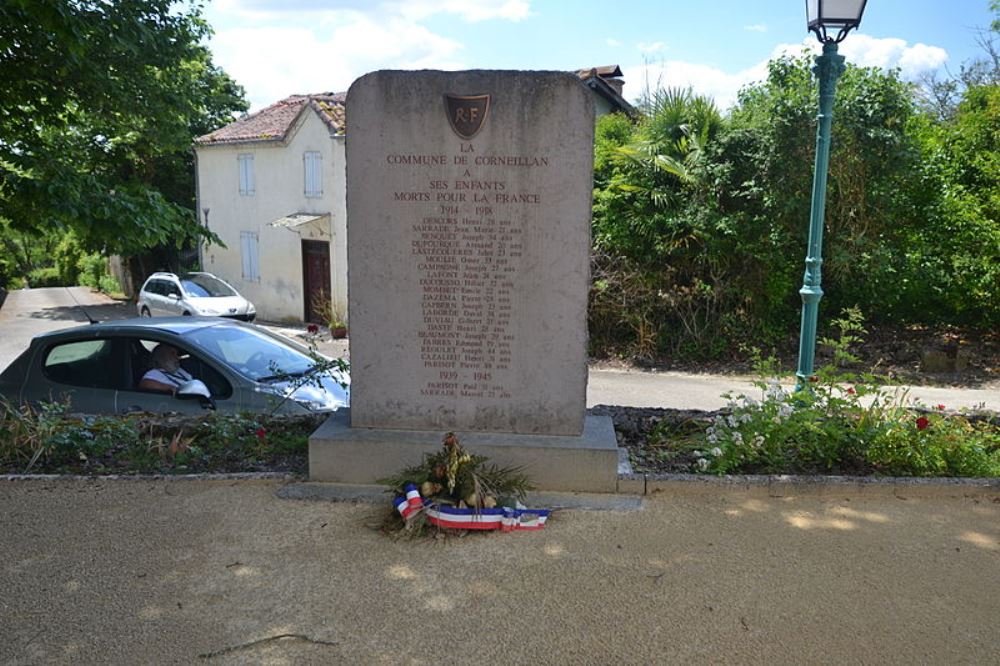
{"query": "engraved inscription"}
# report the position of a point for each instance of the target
(466, 242)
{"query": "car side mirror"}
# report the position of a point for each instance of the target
(195, 389)
(174, 295)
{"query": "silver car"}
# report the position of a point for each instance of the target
(199, 294)
(236, 366)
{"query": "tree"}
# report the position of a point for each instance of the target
(101, 102)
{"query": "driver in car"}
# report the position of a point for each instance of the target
(167, 374)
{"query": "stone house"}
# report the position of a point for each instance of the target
(272, 186)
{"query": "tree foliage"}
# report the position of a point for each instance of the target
(101, 101)
(700, 220)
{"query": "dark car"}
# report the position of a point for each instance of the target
(236, 366)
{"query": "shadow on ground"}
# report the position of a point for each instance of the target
(104, 312)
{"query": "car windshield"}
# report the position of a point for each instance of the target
(251, 353)
(206, 285)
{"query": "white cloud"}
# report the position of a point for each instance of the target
(614, 43)
(650, 48)
(481, 10)
(296, 60)
(723, 86)
(342, 40)
(703, 79)
(885, 52)
(756, 27)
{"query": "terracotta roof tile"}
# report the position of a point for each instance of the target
(273, 122)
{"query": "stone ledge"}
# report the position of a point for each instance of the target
(588, 463)
(376, 494)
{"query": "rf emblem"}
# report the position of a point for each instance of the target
(467, 113)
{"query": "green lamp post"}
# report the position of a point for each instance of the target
(825, 18)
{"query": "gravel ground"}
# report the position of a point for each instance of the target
(172, 572)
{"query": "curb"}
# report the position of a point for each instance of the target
(375, 494)
(783, 485)
(629, 486)
(234, 476)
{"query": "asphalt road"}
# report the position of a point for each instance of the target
(29, 312)
(183, 572)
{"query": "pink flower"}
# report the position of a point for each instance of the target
(922, 423)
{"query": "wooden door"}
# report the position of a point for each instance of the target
(315, 277)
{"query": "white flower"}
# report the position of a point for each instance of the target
(731, 421)
(697, 454)
(738, 438)
(717, 452)
(702, 464)
(785, 410)
(758, 441)
(712, 439)
(745, 418)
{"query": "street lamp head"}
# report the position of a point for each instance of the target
(833, 17)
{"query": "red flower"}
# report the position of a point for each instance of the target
(940, 406)
(813, 378)
(922, 423)
(850, 390)
(312, 328)
(261, 434)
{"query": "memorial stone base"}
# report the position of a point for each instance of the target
(339, 453)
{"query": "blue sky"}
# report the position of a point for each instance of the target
(275, 48)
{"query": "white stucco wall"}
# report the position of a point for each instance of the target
(279, 191)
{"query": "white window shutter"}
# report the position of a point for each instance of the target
(249, 255)
(246, 175)
(313, 163)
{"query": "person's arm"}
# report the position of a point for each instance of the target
(153, 385)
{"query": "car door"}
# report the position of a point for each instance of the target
(174, 305)
(157, 297)
(133, 399)
(85, 372)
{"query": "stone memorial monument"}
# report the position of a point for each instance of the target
(468, 198)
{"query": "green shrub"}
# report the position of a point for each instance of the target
(92, 268)
(844, 423)
(109, 284)
(45, 277)
(48, 439)
(67, 257)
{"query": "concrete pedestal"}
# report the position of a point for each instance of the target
(589, 463)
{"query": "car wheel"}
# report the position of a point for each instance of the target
(145, 312)
(186, 313)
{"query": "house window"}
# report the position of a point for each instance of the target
(251, 260)
(313, 162)
(246, 175)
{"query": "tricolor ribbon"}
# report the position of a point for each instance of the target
(444, 515)
(411, 504)
(504, 519)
